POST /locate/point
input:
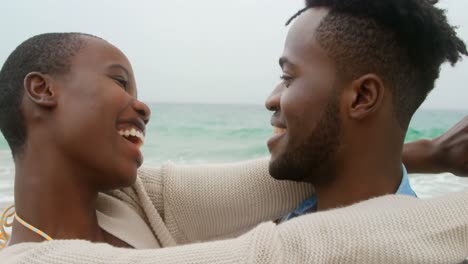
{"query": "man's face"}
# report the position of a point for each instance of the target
(306, 107)
(97, 103)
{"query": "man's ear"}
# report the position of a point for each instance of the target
(39, 88)
(365, 96)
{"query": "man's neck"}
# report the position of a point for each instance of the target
(359, 183)
(367, 167)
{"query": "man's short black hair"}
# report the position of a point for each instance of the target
(49, 53)
(403, 41)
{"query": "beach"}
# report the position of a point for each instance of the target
(202, 133)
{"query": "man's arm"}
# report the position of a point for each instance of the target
(447, 153)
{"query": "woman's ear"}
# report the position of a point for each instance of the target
(39, 88)
(366, 96)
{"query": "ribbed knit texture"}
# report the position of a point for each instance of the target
(199, 203)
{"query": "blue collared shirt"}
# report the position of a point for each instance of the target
(310, 205)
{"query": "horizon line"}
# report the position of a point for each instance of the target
(259, 104)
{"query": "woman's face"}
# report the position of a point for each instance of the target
(100, 123)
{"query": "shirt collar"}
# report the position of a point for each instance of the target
(309, 205)
(405, 187)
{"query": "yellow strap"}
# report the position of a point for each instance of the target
(4, 236)
(32, 228)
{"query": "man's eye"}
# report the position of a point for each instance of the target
(286, 80)
(122, 82)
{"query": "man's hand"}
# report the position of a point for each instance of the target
(451, 149)
(447, 153)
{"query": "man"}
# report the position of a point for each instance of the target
(354, 73)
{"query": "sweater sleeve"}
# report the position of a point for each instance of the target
(206, 202)
(391, 229)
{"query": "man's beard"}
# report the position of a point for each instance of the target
(315, 160)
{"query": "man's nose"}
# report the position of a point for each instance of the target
(273, 101)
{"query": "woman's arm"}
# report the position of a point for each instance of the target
(206, 202)
(447, 153)
(391, 229)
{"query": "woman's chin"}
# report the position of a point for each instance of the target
(124, 178)
(129, 180)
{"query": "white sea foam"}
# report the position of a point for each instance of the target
(427, 186)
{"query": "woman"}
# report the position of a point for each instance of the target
(75, 126)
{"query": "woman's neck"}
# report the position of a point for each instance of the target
(52, 195)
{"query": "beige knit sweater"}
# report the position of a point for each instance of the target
(177, 205)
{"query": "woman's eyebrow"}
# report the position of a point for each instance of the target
(120, 66)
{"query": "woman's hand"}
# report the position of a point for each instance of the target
(451, 149)
(447, 153)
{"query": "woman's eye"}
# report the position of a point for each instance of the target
(122, 82)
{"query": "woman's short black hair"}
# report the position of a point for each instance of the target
(49, 53)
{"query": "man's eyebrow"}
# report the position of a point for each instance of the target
(283, 61)
(120, 66)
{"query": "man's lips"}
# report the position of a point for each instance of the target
(278, 130)
(278, 127)
(277, 124)
(278, 133)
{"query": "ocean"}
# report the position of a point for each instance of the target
(200, 133)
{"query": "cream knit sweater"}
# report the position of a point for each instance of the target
(177, 205)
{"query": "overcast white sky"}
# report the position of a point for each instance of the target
(209, 51)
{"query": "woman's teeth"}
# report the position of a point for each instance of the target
(134, 133)
(278, 130)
